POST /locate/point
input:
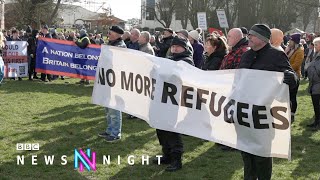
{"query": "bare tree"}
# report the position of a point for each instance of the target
(162, 11)
(31, 12)
(54, 13)
(182, 11)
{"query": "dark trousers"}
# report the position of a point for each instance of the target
(293, 98)
(256, 167)
(43, 76)
(32, 67)
(171, 142)
(316, 107)
(302, 68)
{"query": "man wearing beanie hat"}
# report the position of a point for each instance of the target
(295, 53)
(263, 56)
(171, 142)
(113, 117)
(244, 31)
(164, 45)
(197, 48)
(184, 33)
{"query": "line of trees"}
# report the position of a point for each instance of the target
(275, 13)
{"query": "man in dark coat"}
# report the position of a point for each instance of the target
(31, 50)
(263, 56)
(45, 33)
(171, 142)
(165, 44)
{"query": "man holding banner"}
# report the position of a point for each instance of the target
(171, 142)
(114, 117)
(262, 56)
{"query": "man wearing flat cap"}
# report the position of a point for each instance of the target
(164, 45)
(263, 56)
(114, 117)
(115, 33)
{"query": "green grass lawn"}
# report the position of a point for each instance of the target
(60, 117)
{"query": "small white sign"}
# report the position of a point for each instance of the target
(222, 18)
(202, 20)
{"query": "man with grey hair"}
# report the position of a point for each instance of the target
(144, 42)
(239, 45)
(133, 44)
(99, 39)
(126, 37)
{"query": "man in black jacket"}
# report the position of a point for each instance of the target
(164, 45)
(263, 56)
(171, 142)
(45, 33)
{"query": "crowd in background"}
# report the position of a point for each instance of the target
(297, 55)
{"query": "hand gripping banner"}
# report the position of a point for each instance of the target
(245, 109)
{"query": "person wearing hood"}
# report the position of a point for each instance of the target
(238, 46)
(215, 48)
(171, 142)
(198, 49)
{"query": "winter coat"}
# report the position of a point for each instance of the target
(184, 56)
(314, 75)
(133, 45)
(197, 54)
(163, 46)
(83, 42)
(268, 58)
(296, 60)
(213, 62)
(118, 42)
(147, 48)
(232, 59)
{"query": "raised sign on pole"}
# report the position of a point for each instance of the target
(202, 20)
(222, 18)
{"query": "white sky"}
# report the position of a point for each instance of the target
(125, 9)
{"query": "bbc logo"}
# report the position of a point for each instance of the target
(28, 146)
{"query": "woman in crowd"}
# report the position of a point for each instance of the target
(216, 49)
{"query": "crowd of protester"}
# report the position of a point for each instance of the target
(296, 55)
